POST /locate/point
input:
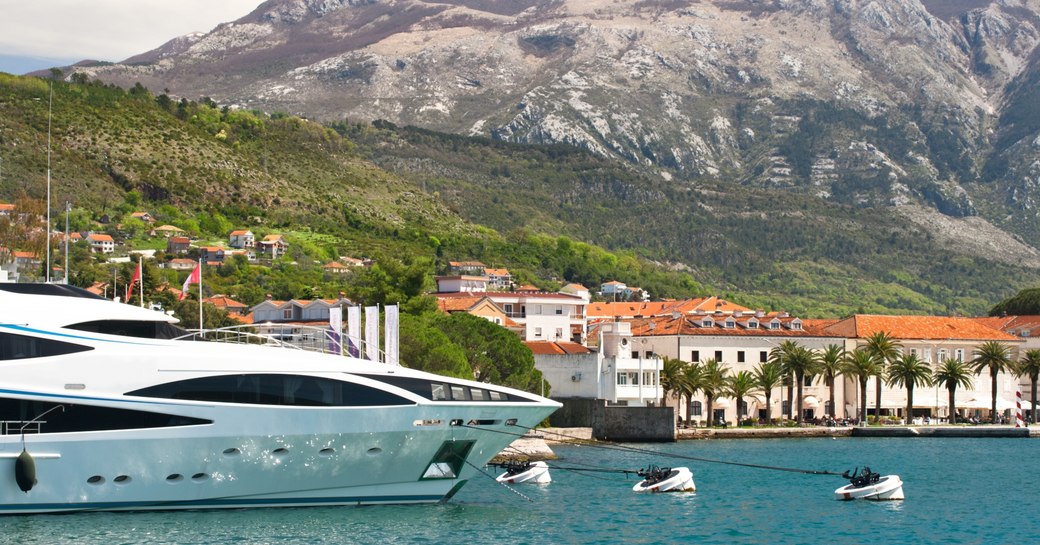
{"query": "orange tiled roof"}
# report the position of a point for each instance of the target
(559, 348)
(661, 308)
(239, 232)
(335, 265)
(99, 237)
(918, 327)
(223, 301)
(458, 304)
(1019, 326)
(496, 272)
(6, 207)
(692, 325)
(24, 255)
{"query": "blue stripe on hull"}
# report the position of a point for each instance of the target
(11, 509)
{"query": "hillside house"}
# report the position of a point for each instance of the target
(273, 246)
(177, 245)
(212, 255)
(101, 243)
(241, 239)
(498, 279)
(466, 267)
(143, 216)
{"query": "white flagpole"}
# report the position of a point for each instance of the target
(140, 277)
(200, 295)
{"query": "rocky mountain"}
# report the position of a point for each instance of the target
(931, 107)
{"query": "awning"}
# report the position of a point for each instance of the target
(721, 404)
(811, 402)
(986, 403)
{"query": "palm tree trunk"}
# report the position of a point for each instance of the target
(993, 385)
(863, 401)
(740, 401)
(799, 408)
(834, 409)
(909, 403)
(877, 400)
(769, 406)
(689, 402)
(711, 413)
(1032, 384)
(790, 401)
(953, 408)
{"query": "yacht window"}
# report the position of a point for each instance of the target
(16, 347)
(17, 415)
(132, 328)
(439, 391)
(270, 389)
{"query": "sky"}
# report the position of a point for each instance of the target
(38, 34)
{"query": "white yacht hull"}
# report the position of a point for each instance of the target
(214, 466)
(680, 479)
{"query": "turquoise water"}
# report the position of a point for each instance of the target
(958, 491)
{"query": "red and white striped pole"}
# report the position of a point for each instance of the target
(1019, 423)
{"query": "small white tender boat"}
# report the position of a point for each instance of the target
(525, 472)
(870, 486)
(665, 479)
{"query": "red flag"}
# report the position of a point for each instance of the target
(194, 278)
(137, 275)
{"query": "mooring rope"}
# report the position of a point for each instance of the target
(626, 448)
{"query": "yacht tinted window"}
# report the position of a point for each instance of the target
(19, 414)
(16, 347)
(267, 389)
(132, 328)
(442, 391)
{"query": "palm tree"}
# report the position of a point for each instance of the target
(713, 383)
(768, 375)
(799, 363)
(861, 364)
(778, 354)
(995, 356)
(690, 384)
(951, 374)
(740, 385)
(908, 370)
(885, 349)
(1030, 365)
(671, 373)
(829, 363)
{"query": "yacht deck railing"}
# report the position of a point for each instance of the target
(289, 336)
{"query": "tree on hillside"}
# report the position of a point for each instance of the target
(427, 348)
(995, 356)
(1024, 303)
(495, 354)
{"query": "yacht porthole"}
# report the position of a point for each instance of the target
(280, 452)
(199, 477)
(174, 478)
(96, 480)
(327, 451)
(374, 451)
(122, 479)
(232, 451)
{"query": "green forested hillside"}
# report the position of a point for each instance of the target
(413, 199)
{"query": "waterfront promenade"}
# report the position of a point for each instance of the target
(537, 445)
